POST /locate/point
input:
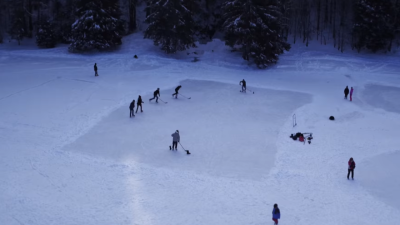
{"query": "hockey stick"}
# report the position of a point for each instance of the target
(162, 100)
(187, 151)
(185, 96)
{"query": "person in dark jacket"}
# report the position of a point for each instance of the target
(156, 94)
(139, 103)
(243, 83)
(276, 214)
(95, 70)
(175, 139)
(131, 108)
(352, 166)
(176, 91)
(346, 92)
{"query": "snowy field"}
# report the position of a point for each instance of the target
(70, 154)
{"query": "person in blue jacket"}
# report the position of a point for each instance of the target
(276, 214)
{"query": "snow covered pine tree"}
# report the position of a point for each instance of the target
(373, 26)
(99, 26)
(45, 36)
(171, 24)
(254, 26)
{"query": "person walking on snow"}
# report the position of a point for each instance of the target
(243, 83)
(276, 214)
(175, 139)
(156, 95)
(351, 94)
(95, 70)
(346, 92)
(139, 103)
(131, 108)
(352, 166)
(176, 91)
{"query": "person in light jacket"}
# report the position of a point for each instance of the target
(276, 214)
(351, 94)
(175, 139)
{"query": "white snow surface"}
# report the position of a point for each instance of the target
(70, 154)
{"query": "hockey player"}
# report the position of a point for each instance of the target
(156, 94)
(131, 108)
(176, 91)
(243, 83)
(139, 103)
(175, 139)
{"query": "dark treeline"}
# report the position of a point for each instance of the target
(260, 30)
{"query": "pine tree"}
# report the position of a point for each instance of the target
(254, 26)
(98, 26)
(17, 30)
(171, 24)
(372, 28)
(45, 36)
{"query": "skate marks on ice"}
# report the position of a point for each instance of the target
(383, 97)
(381, 177)
(229, 133)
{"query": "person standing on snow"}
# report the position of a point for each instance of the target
(131, 108)
(156, 95)
(175, 139)
(243, 83)
(139, 103)
(352, 166)
(346, 92)
(351, 94)
(95, 70)
(176, 91)
(276, 214)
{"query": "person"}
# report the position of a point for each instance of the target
(95, 70)
(276, 214)
(176, 91)
(243, 83)
(352, 166)
(156, 94)
(139, 103)
(131, 108)
(175, 139)
(346, 92)
(351, 94)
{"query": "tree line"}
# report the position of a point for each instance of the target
(260, 30)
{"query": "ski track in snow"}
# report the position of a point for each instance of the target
(50, 101)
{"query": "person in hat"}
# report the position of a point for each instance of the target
(243, 83)
(131, 108)
(175, 139)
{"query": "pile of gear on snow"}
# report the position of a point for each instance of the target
(302, 137)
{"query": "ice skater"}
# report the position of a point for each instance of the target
(177, 91)
(131, 108)
(95, 70)
(351, 93)
(156, 94)
(175, 139)
(352, 166)
(346, 92)
(243, 83)
(139, 103)
(276, 214)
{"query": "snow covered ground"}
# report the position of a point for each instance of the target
(70, 154)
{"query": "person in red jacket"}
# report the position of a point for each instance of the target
(352, 166)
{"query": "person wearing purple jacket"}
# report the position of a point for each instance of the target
(351, 94)
(276, 214)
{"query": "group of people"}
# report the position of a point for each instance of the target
(139, 102)
(346, 93)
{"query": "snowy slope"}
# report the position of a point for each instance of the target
(70, 154)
